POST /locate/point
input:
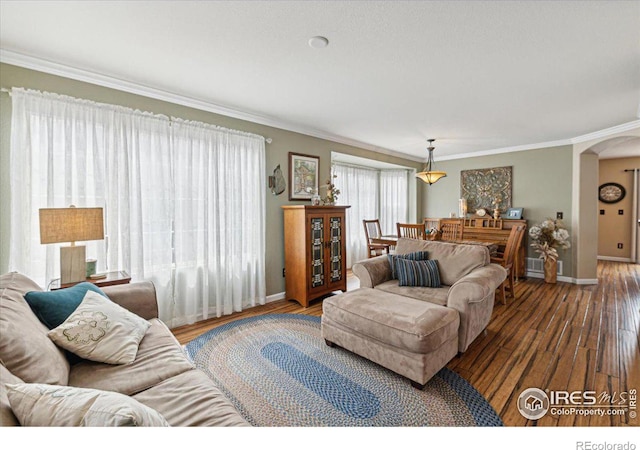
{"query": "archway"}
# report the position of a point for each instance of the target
(585, 200)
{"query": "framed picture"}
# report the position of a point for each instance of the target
(303, 176)
(514, 213)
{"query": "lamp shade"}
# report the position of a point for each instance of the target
(431, 176)
(71, 225)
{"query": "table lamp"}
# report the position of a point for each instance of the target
(71, 225)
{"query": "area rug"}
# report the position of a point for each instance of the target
(277, 371)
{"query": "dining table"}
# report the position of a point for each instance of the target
(392, 241)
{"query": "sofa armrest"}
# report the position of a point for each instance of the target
(477, 284)
(139, 298)
(372, 271)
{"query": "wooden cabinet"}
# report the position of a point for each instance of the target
(315, 259)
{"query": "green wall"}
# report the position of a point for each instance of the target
(542, 185)
(276, 152)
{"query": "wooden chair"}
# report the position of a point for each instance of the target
(372, 231)
(430, 224)
(411, 230)
(451, 231)
(507, 260)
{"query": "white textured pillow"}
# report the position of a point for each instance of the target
(101, 330)
(46, 405)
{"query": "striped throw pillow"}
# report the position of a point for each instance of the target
(415, 256)
(418, 273)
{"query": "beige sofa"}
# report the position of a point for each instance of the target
(413, 330)
(469, 281)
(161, 377)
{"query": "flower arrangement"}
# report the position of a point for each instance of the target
(548, 236)
(332, 192)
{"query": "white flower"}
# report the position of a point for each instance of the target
(535, 232)
(548, 225)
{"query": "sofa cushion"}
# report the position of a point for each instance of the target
(7, 418)
(454, 260)
(45, 405)
(417, 273)
(25, 348)
(100, 330)
(159, 357)
(437, 296)
(416, 256)
(53, 307)
(191, 399)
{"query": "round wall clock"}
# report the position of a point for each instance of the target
(611, 193)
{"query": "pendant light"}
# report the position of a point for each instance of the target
(429, 175)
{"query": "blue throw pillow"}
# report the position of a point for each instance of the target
(418, 273)
(54, 307)
(415, 256)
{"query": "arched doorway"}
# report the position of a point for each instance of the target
(585, 199)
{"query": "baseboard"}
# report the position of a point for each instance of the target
(614, 258)
(565, 279)
(275, 297)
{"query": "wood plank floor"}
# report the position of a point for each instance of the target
(553, 336)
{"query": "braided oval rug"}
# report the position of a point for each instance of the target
(277, 371)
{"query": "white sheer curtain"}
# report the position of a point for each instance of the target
(219, 225)
(69, 151)
(394, 199)
(358, 188)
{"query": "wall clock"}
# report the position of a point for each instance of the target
(611, 192)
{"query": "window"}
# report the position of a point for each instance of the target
(183, 201)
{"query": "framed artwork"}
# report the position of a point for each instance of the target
(303, 176)
(514, 213)
(487, 189)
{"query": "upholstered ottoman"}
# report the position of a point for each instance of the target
(411, 337)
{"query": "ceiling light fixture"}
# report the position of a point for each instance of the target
(429, 175)
(318, 42)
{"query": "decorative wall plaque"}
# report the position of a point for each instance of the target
(486, 188)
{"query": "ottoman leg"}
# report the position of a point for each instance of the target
(329, 343)
(417, 385)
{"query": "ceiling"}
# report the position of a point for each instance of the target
(476, 76)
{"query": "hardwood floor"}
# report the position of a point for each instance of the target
(552, 337)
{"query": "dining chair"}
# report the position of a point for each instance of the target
(451, 231)
(411, 230)
(372, 230)
(507, 260)
(431, 223)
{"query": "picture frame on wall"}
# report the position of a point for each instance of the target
(303, 176)
(514, 213)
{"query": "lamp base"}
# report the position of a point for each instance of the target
(73, 268)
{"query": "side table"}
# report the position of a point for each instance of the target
(112, 278)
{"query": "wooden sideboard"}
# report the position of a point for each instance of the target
(488, 229)
(315, 252)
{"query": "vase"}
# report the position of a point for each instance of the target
(550, 270)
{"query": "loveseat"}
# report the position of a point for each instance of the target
(160, 381)
(468, 281)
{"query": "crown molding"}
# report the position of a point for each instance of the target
(607, 132)
(53, 68)
(87, 76)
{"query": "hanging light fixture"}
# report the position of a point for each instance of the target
(429, 175)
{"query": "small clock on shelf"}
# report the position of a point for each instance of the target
(611, 192)
(481, 212)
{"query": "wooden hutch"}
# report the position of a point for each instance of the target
(315, 256)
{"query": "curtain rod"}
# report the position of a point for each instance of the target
(8, 91)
